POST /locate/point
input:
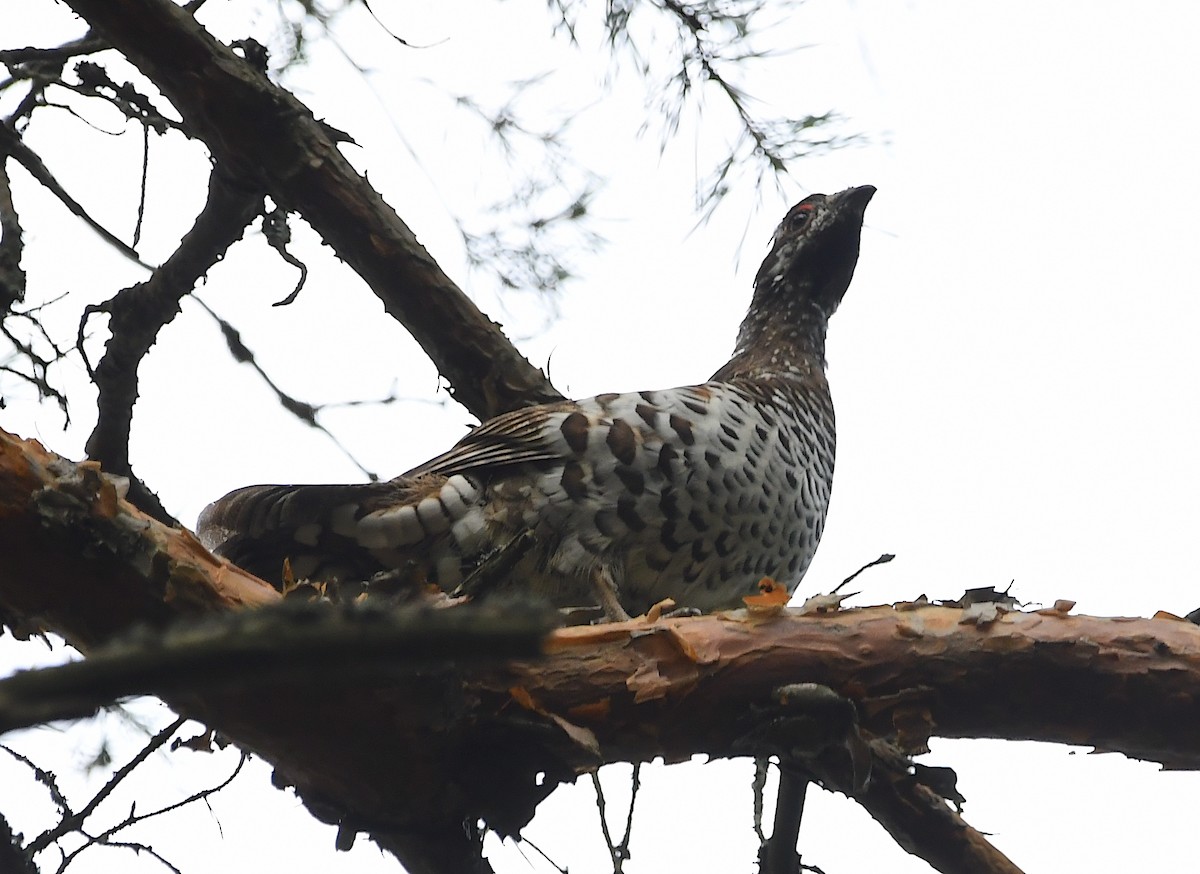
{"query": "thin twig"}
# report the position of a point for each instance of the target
(141, 209)
(302, 410)
(133, 818)
(46, 778)
(758, 785)
(278, 233)
(524, 840)
(602, 808)
(12, 143)
(883, 559)
(38, 364)
(635, 784)
(75, 821)
(85, 45)
(618, 852)
(127, 845)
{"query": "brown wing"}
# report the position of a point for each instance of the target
(524, 435)
(319, 527)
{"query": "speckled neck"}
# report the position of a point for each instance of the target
(783, 335)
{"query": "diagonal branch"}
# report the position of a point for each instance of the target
(12, 277)
(75, 821)
(262, 132)
(138, 313)
(921, 822)
(12, 144)
(302, 410)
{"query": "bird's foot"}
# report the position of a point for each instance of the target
(606, 593)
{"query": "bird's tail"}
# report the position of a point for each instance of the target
(426, 523)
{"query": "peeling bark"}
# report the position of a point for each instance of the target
(410, 758)
(83, 562)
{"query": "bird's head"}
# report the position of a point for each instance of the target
(814, 251)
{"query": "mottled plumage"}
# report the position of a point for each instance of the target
(691, 493)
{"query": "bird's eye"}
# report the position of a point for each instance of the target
(800, 217)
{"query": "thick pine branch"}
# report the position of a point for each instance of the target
(86, 564)
(263, 134)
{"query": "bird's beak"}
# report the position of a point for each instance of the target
(855, 199)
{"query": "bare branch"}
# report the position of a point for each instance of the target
(138, 313)
(74, 821)
(302, 410)
(777, 855)
(94, 81)
(12, 144)
(278, 234)
(921, 822)
(105, 837)
(713, 40)
(138, 570)
(46, 778)
(263, 133)
(85, 45)
(13, 859)
(12, 277)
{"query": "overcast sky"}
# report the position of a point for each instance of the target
(1015, 367)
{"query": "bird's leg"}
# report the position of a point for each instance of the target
(606, 594)
(496, 565)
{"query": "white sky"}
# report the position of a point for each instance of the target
(1014, 368)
